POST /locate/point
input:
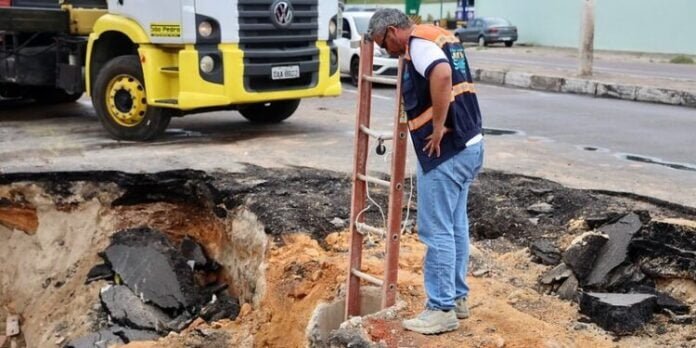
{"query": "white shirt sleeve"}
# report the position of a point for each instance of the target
(424, 53)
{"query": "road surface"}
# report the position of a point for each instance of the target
(579, 141)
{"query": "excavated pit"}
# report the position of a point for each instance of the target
(278, 235)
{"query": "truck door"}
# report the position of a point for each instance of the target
(161, 20)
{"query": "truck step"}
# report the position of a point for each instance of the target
(170, 70)
(167, 101)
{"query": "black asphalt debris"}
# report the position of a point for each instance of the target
(670, 303)
(155, 288)
(193, 251)
(581, 254)
(545, 252)
(619, 313)
(615, 251)
(127, 309)
(569, 289)
(666, 250)
(150, 266)
(112, 336)
(556, 275)
(99, 272)
(221, 307)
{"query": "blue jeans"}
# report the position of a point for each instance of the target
(443, 226)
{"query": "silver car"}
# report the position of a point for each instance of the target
(488, 30)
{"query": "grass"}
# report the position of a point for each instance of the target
(682, 60)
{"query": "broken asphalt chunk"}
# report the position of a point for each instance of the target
(615, 251)
(619, 313)
(112, 336)
(556, 274)
(543, 251)
(193, 251)
(569, 289)
(221, 307)
(99, 272)
(671, 304)
(127, 309)
(627, 276)
(582, 252)
(595, 221)
(150, 266)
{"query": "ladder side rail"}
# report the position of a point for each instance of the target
(396, 197)
(359, 194)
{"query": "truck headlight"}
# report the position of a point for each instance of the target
(205, 29)
(333, 30)
(207, 64)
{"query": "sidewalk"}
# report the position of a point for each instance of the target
(489, 66)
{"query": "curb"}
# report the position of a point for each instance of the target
(585, 87)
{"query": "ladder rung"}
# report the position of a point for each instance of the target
(377, 79)
(365, 228)
(366, 277)
(374, 180)
(375, 134)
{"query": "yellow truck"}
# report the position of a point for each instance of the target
(145, 61)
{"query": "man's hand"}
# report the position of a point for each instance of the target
(440, 93)
(433, 145)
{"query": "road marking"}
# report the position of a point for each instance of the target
(355, 91)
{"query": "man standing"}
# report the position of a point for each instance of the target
(445, 126)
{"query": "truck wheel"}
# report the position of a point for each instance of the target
(120, 99)
(53, 96)
(482, 41)
(509, 43)
(269, 112)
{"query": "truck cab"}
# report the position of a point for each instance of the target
(145, 61)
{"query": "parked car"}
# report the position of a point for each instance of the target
(355, 24)
(488, 30)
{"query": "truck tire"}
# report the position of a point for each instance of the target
(53, 96)
(120, 100)
(355, 71)
(269, 112)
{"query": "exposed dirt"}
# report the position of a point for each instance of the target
(243, 220)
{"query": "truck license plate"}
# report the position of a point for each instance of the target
(285, 72)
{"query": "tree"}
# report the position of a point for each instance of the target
(587, 38)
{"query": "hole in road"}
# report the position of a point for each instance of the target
(500, 131)
(648, 160)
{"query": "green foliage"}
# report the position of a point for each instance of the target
(681, 59)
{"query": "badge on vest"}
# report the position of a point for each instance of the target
(458, 59)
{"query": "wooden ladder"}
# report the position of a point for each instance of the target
(358, 228)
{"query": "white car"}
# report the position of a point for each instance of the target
(354, 26)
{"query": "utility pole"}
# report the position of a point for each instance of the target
(440, 21)
(587, 38)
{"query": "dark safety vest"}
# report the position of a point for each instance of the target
(463, 117)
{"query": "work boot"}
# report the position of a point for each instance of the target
(461, 309)
(432, 321)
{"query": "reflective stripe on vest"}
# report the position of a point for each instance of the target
(427, 115)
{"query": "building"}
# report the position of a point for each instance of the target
(622, 25)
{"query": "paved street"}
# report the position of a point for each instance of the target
(576, 140)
